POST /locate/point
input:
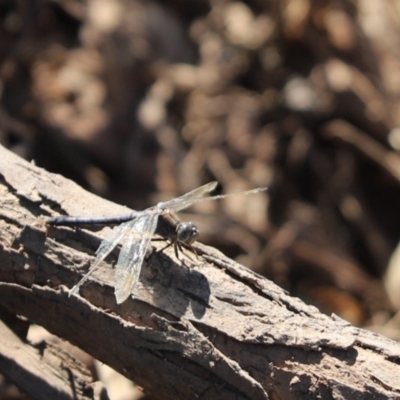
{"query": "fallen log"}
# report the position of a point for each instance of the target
(207, 329)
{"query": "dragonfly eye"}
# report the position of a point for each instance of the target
(187, 232)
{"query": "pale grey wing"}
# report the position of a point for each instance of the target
(189, 198)
(180, 204)
(105, 248)
(132, 253)
(200, 191)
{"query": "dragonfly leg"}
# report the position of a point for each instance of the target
(169, 243)
(180, 246)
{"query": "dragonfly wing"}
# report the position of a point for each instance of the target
(105, 248)
(200, 191)
(183, 202)
(189, 198)
(132, 253)
(112, 240)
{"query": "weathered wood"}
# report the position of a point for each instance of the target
(45, 372)
(207, 329)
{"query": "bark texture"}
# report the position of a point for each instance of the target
(202, 327)
(45, 371)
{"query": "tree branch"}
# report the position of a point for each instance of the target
(209, 328)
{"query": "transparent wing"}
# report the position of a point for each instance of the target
(105, 248)
(200, 191)
(197, 195)
(132, 253)
(189, 198)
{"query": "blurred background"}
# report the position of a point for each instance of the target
(141, 101)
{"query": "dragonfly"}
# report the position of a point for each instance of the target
(136, 230)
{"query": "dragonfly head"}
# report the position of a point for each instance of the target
(187, 232)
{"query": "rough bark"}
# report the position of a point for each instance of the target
(202, 327)
(45, 371)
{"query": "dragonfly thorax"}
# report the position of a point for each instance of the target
(186, 232)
